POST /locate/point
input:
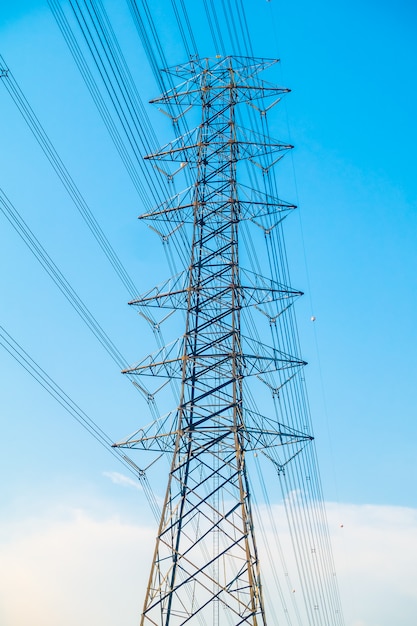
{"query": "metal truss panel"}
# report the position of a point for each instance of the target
(247, 67)
(213, 357)
(250, 145)
(264, 210)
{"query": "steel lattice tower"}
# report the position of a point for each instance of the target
(205, 567)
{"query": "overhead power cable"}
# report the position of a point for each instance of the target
(42, 138)
(128, 161)
(126, 120)
(191, 50)
(34, 245)
(151, 43)
(27, 235)
(11, 85)
(215, 30)
(118, 84)
(41, 255)
(42, 378)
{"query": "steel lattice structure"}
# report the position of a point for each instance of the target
(205, 568)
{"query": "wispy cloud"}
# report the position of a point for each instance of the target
(74, 571)
(121, 479)
(375, 550)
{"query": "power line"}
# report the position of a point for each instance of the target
(42, 138)
(32, 242)
(20, 355)
(41, 255)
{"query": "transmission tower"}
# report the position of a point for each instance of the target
(205, 567)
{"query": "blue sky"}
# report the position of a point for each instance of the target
(352, 248)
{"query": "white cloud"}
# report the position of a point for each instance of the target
(121, 479)
(75, 569)
(376, 562)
